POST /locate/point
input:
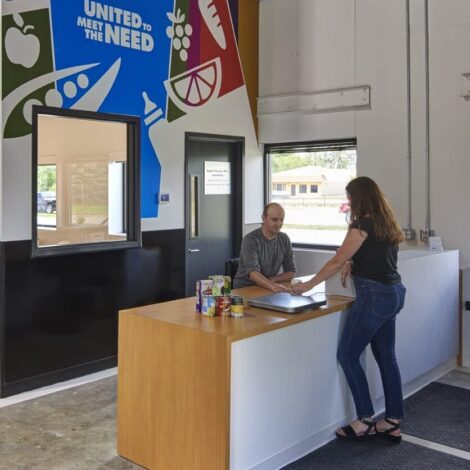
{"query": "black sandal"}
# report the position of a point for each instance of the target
(387, 433)
(349, 432)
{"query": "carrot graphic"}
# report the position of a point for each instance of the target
(212, 19)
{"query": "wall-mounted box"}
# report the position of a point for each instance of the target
(338, 99)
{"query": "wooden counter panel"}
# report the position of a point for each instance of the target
(173, 389)
(256, 320)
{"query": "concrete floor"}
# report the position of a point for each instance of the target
(75, 428)
(70, 429)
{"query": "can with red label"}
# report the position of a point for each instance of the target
(223, 305)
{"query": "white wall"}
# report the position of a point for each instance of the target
(308, 45)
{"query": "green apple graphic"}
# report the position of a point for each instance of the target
(21, 48)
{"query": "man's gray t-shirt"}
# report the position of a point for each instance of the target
(263, 255)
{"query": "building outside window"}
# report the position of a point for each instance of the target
(308, 180)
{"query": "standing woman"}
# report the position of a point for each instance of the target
(369, 254)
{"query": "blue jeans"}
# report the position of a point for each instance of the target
(371, 319)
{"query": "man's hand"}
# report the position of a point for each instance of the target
(279, 288)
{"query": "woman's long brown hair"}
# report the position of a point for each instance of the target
(367, 200)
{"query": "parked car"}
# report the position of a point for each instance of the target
(47, 202)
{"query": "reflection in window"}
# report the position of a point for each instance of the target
(89, 192)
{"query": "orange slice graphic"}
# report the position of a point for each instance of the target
(195, 87)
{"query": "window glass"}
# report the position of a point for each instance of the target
(310, 184)
(47, 196)
(85, 167)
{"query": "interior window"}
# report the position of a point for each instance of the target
(308, 180)
(85, 167)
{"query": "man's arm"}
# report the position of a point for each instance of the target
(288, 264)
(270, 283)
(283, 277)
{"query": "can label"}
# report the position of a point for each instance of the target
(203, 287)
(223, 306)
(222, 285)
(208, 305)
(237, 310)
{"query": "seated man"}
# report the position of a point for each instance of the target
(264, 251)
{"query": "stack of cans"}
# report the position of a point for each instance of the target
(213, 297)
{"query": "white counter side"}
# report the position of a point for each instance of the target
(288, 393)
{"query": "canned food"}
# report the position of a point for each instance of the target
(223, 306)
(208, 305)
(203, 287)
(237, 310)
(222, 285)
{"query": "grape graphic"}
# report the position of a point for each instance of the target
(179, 30)
(179, 33)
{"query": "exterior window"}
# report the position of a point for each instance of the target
(313, 176)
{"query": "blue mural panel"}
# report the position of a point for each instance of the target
(127, 51)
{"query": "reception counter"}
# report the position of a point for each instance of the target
(258, 392)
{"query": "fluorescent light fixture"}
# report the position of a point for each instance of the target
(337, 99)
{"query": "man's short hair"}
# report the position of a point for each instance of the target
(269, 206)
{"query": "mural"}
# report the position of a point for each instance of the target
(157, 60)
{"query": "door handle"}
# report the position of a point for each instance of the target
(196, 250)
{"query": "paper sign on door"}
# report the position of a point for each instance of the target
(217, 178)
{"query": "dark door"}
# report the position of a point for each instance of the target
(292, 189)
(213, 205)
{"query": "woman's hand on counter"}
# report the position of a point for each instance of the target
(301, 287)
